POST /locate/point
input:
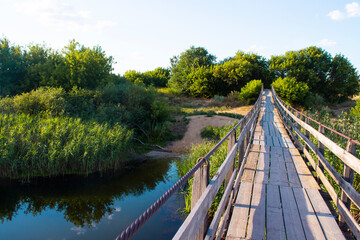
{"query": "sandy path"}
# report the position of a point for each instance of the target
(196, 124)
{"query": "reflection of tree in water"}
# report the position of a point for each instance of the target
(82, 200)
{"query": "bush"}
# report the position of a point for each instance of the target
(355, 111)
(50, 100)
(250, 92)
(290, 90)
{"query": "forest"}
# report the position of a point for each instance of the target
(65, 111)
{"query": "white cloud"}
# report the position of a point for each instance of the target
(352, 10)
(336, 15)
(78, 230)
(327, 43)
(61, 14)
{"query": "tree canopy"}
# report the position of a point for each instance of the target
(24, 69)
(332, 78)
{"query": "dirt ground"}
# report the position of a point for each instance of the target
(192, 134)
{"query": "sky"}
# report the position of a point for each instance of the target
(142, 35)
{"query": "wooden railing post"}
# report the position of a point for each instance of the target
(307, 133)
(322, 151)
(232, 140)
(201, 180)
(348, 175)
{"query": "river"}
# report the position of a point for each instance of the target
(93, 207)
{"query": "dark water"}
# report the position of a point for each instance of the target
(94, 207)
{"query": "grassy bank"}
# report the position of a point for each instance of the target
(212, 135)
(50, 131)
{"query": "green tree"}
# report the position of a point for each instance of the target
(202, 82)
(237, 71)
(310, 65)
(86, 67)
(251, 91)
(12, 67)
(291, 90)
(343, 80)
(183, 65)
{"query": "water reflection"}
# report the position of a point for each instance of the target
(83, 201)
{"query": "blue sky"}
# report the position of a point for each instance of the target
(143, 35)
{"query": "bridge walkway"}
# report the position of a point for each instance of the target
(278, 197)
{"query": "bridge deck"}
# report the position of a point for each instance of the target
(278, 196)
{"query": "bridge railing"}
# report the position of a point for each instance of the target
(301, 131)
(195, 225)
(204, 192)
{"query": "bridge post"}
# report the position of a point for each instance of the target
(241, 149)
(201, 180)
(307, 133)
(349, 177)
(322, 151)
(232, 140)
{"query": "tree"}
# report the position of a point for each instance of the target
(86, 67)
(183, 65)
(310, 65)
(343, 81)
(12, 67)
(291, 90)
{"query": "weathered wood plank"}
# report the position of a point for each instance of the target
(256, 225)
(250, 167)
(278, 175)
(274, 218)
(326, 219)
(293, 226)
(308, 217)
(306, 178)
(239, 219)
(262, 170)
(292, 174)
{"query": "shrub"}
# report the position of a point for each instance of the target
(251, 91)
(290, 90)
(355, 111)
(50, 100)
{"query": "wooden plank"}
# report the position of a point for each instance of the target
(274, 218)
(326, 219)
(293, 226)
(306, 178)
(262, 170)
(278, 175)
(290, 144)
(287, 155)
(293, 177)
(250, 167)
(256, 225)
(282, 142)
(268, 141)
(308, 217)
(276, 141)
(238, 223)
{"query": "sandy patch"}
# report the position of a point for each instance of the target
(196, 124)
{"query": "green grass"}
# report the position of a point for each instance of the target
(213, 134)
(46, 146)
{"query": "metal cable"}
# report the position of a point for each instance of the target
(137, 224)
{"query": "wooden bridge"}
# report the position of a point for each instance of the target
(272, 194)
